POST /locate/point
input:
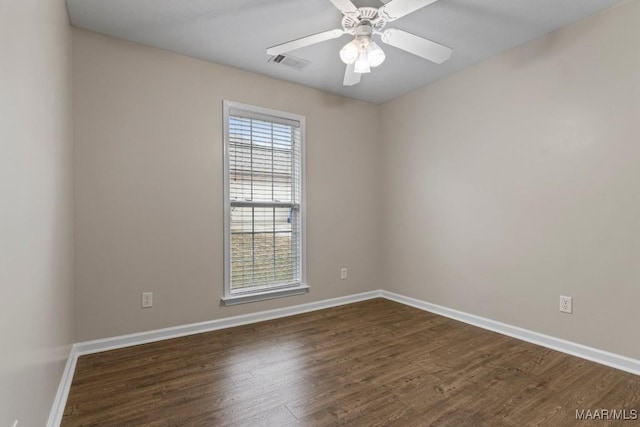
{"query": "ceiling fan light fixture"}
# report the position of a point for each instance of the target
(375, 54)
(363, 23)
(350, 52)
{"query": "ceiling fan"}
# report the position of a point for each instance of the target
(362, 53)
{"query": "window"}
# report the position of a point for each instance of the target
(264, 213)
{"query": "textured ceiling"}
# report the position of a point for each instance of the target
(237, 32)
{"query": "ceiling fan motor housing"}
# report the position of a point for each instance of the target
(364, 29)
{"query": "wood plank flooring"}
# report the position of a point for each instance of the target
(372, 363)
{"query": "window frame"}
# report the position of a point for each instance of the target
(300, 287)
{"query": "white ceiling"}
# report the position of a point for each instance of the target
(237, 32)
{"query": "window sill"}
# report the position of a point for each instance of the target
(261, 296)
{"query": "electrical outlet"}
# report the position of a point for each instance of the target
(343, 273)
(147, 299)
(566, 304)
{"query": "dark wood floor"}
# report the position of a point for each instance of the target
(365, 364)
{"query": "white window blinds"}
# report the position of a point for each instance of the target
(264, 177)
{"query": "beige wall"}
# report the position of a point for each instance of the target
(36, 295)
(517, 180)
(148, 183)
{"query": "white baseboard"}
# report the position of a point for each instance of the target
(60, 401)
(613, 360)
(88, 347)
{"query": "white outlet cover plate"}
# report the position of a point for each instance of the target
(566, 304)
(147, 299)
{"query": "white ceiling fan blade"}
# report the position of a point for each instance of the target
(424, 48)
(398, 8)
(350, 76)
(345, 6)
(304, 41)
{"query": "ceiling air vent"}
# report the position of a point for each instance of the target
(290, 61)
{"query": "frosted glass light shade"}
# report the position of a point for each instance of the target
(375, 55)
(349, 53)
